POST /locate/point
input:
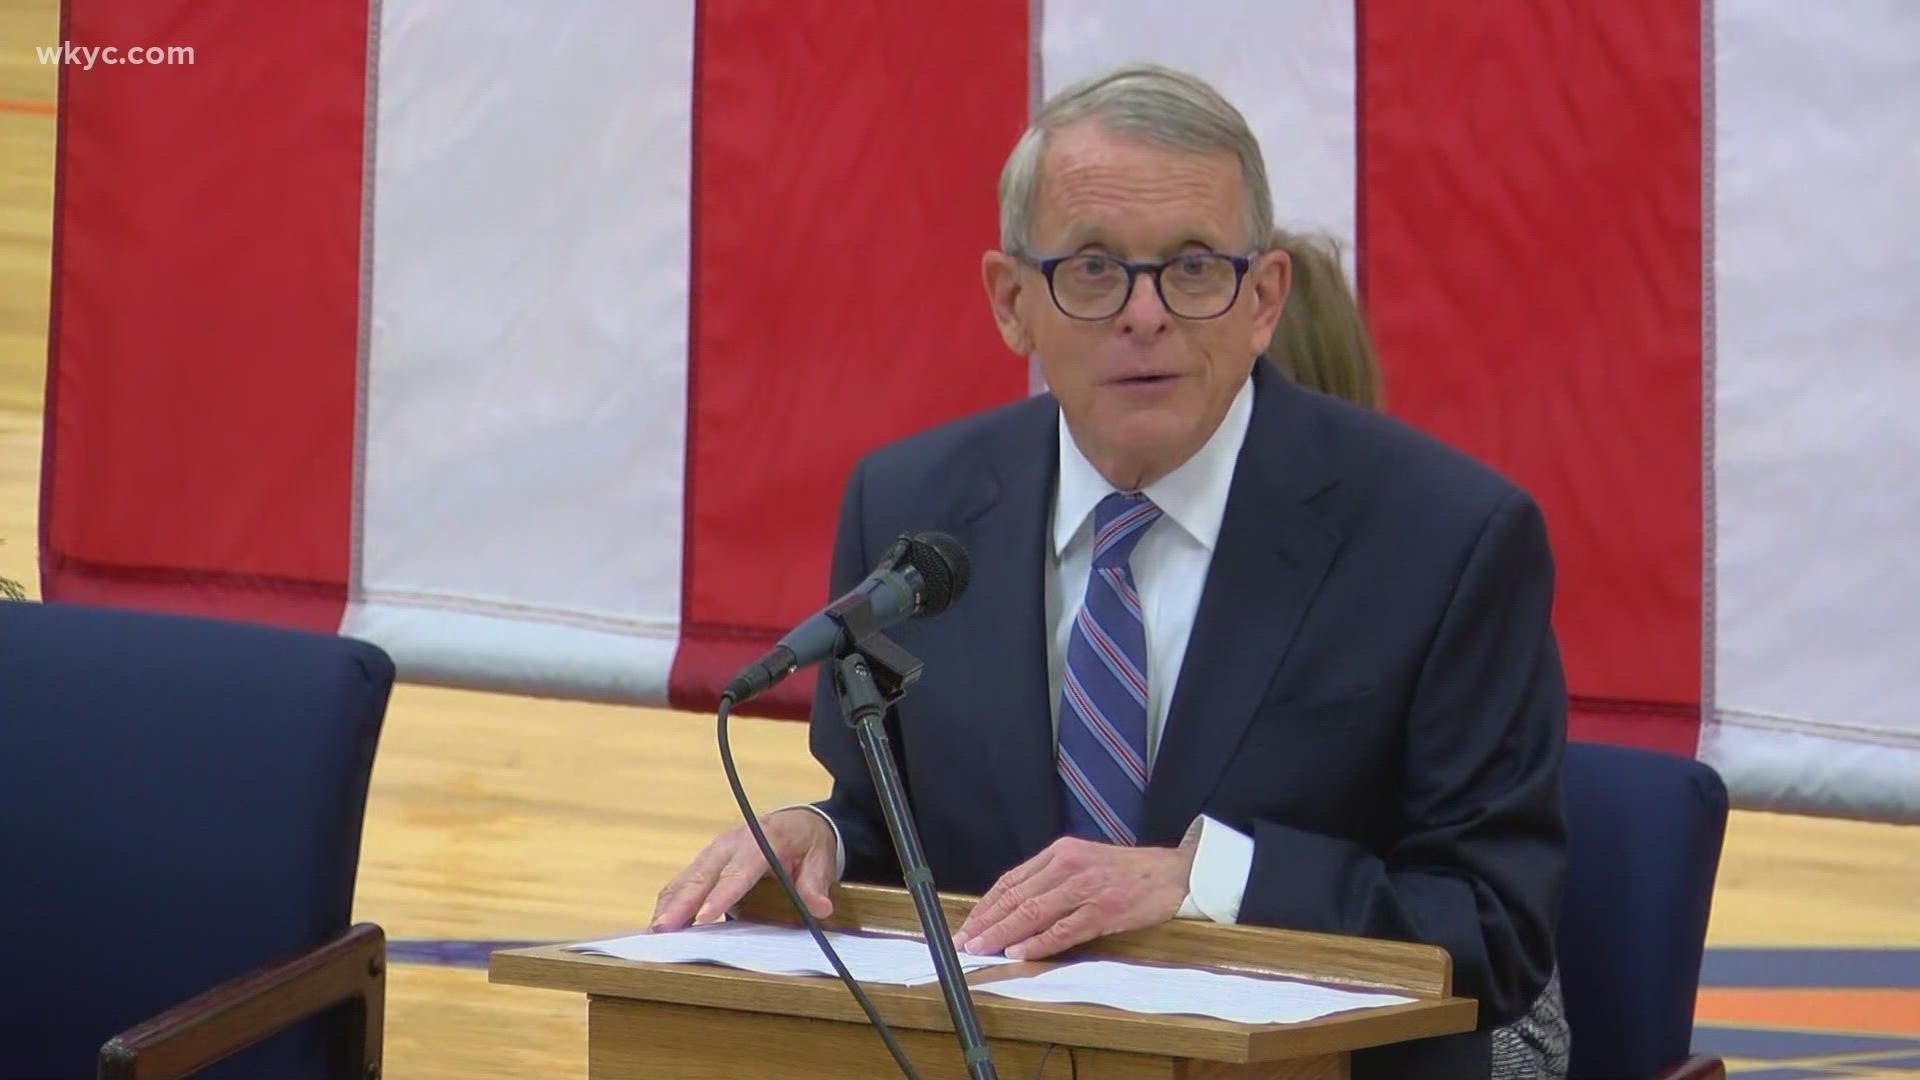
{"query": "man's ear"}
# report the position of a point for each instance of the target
(1001, 275)
(1269, 279)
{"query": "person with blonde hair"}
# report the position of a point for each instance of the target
(1322, 341)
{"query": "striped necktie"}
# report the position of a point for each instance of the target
(1102, 754)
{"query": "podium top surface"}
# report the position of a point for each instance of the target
(1417, 971)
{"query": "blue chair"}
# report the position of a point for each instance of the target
(180, 813)
(1644, 837)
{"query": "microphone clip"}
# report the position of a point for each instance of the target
(871, 676)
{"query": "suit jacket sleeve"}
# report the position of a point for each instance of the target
(1479, 864)
(853, 805)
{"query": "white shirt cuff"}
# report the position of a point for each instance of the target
(839, 845)
(1218, 880)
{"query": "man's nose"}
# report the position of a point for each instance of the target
(1144, 313)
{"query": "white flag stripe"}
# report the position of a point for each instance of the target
(525, 393)
(1289, 67)
(503, 651)
(1817, 387)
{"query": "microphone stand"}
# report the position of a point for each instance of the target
(868, 678)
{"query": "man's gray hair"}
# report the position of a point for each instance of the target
(1157, 105)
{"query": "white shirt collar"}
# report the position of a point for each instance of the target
(1193, 495)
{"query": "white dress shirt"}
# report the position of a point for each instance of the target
(1170, 570)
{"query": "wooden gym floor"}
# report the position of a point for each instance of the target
(505, 819)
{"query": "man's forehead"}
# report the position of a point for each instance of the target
(1095, 184)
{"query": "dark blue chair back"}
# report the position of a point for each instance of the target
(1644, 836)
(180, 803)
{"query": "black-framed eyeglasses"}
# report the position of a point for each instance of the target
(1192, 285)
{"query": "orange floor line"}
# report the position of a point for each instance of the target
(1876, 1012)
(30, 108)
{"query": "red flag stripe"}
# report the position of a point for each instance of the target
(206, 311)
(844, 175)
(1537, 301)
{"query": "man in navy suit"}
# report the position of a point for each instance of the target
(1231, 650)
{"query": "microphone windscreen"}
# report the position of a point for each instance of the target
(944, 567)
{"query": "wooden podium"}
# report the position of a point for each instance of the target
(699, 1021)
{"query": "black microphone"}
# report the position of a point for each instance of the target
(920, 575)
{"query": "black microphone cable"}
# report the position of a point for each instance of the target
(793, 896)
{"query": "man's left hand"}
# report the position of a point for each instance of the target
(1073, 892)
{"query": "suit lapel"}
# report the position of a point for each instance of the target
(1005, 530)
(1271, 555)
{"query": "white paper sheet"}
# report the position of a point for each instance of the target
(1243, 999)
(780, 950)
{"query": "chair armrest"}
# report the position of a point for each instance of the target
(1696, 1067)
(248, 1009)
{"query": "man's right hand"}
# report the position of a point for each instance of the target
(732, 864)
